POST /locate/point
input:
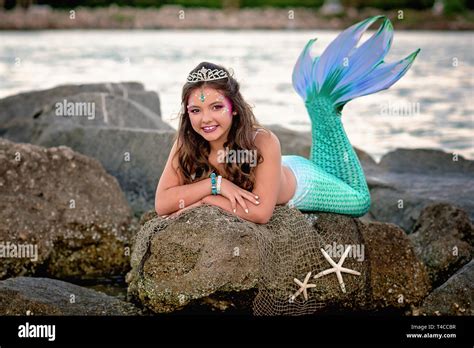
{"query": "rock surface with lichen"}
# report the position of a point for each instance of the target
(66, 206)
(220, 261)
(115, 123)
(454, 297)
(443, 238)
(194, 262)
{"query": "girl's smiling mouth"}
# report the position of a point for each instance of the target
(209, 129)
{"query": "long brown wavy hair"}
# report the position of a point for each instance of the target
(193, 150)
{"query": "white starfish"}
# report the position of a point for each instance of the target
(337, 268)
(303, 287)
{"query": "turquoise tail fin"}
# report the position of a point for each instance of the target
(332, 179)
(343, 71)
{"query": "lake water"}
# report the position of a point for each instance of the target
(431, 107)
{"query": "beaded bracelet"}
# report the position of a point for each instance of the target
(213, 184)
(219, 181)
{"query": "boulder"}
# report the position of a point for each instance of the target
(109, 110)
(394, 276)
(29, 105)
(196, 264)
(61, 214)
(443, 238)
(119, 126)
(210, 259)
(408, 180)
(136, 157)
(83, 109)
(454, 297)
(44, 296)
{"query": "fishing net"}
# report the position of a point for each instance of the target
(289, 246)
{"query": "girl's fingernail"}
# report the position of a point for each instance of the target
(257, 202)
(247, 211)
(256, 197)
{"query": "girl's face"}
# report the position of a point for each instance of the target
(210, 113)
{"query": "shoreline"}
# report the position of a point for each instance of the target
(178, 17)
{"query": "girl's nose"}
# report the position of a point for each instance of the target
(206, 116)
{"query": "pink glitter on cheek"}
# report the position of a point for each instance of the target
(228, 105)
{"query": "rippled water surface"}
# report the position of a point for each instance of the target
(430, 107)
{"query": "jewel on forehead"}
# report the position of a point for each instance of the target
(202, 97)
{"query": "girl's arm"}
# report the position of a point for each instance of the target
(267, 183)
(171, 195)
(224, 203)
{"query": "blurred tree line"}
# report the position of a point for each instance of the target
(451, 6)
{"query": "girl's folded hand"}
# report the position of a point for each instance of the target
(235, 194)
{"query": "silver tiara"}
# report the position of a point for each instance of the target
(207, 75)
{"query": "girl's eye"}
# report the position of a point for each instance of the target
(195, 111)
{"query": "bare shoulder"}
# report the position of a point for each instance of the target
(267, 140)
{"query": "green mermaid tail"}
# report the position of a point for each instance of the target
(333, 180)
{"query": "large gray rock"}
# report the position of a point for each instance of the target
(208, 258)
(394, 276)
(61, 214)
(121, 127)
(109, 110)
(195, 264)
(443, 238)
(83, 109)
(454, 297)
(407, 180)
(136, 157)
(43, 296)
(29, 105)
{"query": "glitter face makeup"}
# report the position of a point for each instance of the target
(210, 113)
(227, 105)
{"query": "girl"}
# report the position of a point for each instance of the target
(223, 157)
